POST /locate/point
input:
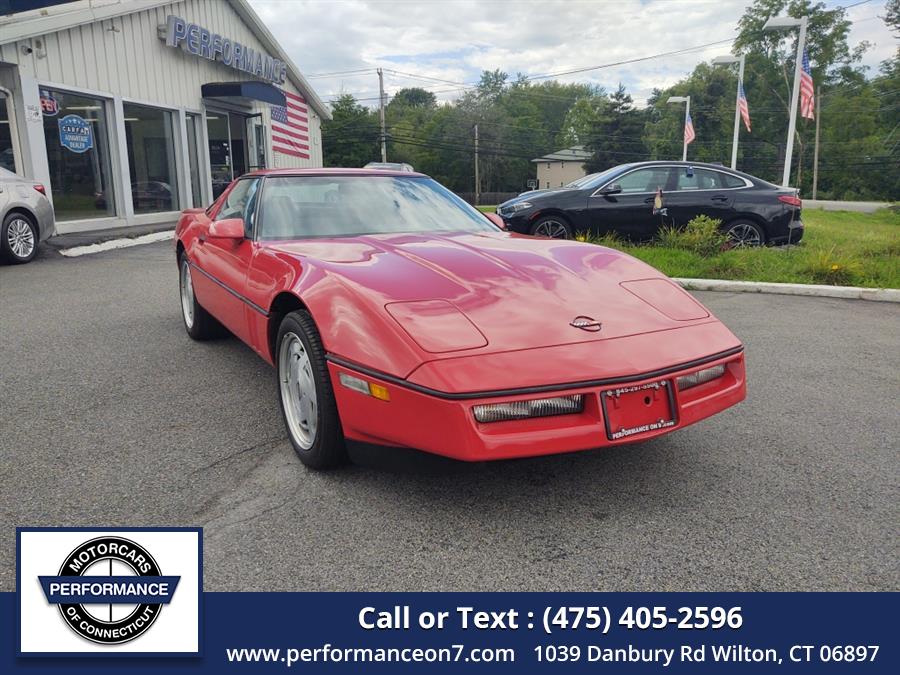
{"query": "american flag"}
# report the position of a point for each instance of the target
(688, 130)
(742, 104)
(290, 127)
(807, 93)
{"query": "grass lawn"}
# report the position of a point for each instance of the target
(839, 247)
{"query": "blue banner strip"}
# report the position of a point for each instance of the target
(514, 633)
(123, 590)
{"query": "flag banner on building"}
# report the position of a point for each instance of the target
(807, 92)
(688, 130)
(290, 127)
(742, 104)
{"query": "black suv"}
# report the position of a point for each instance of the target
(621, 200)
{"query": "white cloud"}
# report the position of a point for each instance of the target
(456, 40)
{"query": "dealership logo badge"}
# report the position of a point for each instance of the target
(109, 590)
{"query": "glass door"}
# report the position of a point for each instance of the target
(217, 131)
(239, 154)
(193, 143)
(256, 143)
(7, 149)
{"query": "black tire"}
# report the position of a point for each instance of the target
(744, 233)
(20, 237)
(326, 446)
(200, 324)
(553, 226)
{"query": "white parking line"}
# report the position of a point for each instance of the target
(113, 244)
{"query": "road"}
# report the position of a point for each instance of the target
(111, 415)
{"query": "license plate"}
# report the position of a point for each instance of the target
(636, 409)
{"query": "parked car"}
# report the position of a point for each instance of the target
(26, 215)
(151, 195)
(621, 200)
(390, 166)
(395, 314)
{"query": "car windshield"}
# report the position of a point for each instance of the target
(595, 179)
(302, 207)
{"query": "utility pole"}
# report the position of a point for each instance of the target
(816, 148)
(477, 181)
(381, 110)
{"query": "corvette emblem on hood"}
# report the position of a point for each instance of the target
(586, 323)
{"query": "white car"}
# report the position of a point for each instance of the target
(26, 216)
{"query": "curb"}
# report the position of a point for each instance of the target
(809, 290)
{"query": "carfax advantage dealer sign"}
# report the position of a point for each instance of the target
(114, 591)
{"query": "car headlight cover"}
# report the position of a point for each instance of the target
(700, 377)
(538, 407)
(519, 206)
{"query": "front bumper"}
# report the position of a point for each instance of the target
(447, 426)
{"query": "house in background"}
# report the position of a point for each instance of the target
(561, 167)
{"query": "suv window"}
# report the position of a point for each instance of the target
(644, 180)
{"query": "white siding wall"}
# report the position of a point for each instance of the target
(125, 57)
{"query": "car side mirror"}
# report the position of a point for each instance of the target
(496, 220)
(611, 189)
(228, 228)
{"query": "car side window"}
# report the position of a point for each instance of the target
(644, 180)
(690, 178)
(733, 181)
(235, 205)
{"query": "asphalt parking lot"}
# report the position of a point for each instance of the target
(111, 415)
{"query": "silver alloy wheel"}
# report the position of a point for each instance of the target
(20, 238)
(553, 229)
(187, 293)
(298, 390)
(743, 234)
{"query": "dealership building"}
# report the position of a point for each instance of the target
(131, 110)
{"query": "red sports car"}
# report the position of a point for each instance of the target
(396, 314)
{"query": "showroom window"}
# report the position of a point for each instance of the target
(75, 130)
(150, 138)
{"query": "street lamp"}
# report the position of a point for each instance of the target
(724, 61)
(687, 116)
(778, 23)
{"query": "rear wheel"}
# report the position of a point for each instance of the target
(744, 233)
(555, 227)
(198, 323)
(307, 398)
(19, 241)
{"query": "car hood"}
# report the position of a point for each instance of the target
(517, 292)
(534, 194)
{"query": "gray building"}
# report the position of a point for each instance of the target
(561, 167)
(131, 110)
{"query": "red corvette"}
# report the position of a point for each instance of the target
(396, 314)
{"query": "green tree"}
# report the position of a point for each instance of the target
(616, 137)
(350, 138)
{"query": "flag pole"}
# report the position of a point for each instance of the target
(795, 96)
(687, 116)
(737, 113)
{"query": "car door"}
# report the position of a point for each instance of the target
(699, 191)
(628, 212)
(226, 262)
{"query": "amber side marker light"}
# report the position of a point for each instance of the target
(368, 388)
(700, 377)
(537, 407)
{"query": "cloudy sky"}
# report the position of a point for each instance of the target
(442, 45)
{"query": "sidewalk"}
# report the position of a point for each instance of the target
(63, 241)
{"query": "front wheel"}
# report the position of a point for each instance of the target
(554, 227)
(19, 238)
(744, 234)
(307, 399)
(198, 323)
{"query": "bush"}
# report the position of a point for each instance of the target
(826, 267)
(702, 236)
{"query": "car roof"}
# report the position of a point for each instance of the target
(334, 171)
